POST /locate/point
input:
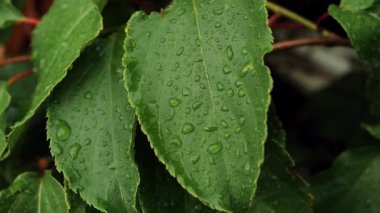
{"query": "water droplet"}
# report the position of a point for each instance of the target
(220, 86)
(242, 120)
(230, 92)
(230, 53)
(181, 12)
(218, 25)
(195, 159)
(180, 51)
(187, 128)
(238, 83)
(248, 68)
(87, 141)
(177, 142)
(237, 130)
(88, 95)
(224, 124)
(210, 128)
(74, 150)
(197, 104)
(202, 86)
(57, 149)
(225, 108)
(227, 69)
(227, 136)
(63, 130)
(241, 93)
(247, 168)
(215, 148)
(197, 78)
(174, 102)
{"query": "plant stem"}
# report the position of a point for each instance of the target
(15, 60)
(294, 16)
(331, 41)
(19, 76)
(31, 21)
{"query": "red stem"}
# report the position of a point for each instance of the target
(30, 21)
(332, 41)
(321, 19)
(15, 60)
(19, 76)
(274, 18)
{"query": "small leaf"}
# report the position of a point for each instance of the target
(5, 100)
(8, 13)
(194, 73)
(279, 190)
(91, 127)
(57, 41)
(361, 21)
(374, 130)
(351, 184)
(31, 193)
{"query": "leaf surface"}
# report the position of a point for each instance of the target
(91, 128)
(5, 100)
(57, 41)
(8, 13)
(194, 72)
(361, 21)
(31, 193)
(351, 185)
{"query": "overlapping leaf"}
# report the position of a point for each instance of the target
(8, 13)
(5, 100)
(91, 127)
(57, 42)
(351, 185)
(196, 79)
(361, 20)
(32, 193)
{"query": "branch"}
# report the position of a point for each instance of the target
(294, 16)
(331, 41)
(19, 76)
(15, 60)
(31, 21)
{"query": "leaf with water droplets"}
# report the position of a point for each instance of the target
(361, 21)
(352, 184)
(91, 128)
(202, 47)
(8, 13)
(57, 41)
(31, 193)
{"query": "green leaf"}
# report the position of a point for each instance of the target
(194, 72)
(32, 193)
(158, 191)
(374, 130)
(91, 127)
(279, 190)
(361, 21)
(75, 202)
(8, 13)
(57, 41)
(352, 184)
(5, 100)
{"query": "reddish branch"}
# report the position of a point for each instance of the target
(15, 60)
(30, 21)
(19, 76)
(321, 19)
(333, 41)
(273, 19)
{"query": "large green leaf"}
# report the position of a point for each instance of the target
(362, 23)
(8, 13)
(352, 184)
(57, 42)
(31, 193)
(91, 127)
(197, 81)
(279, 190)
(5, 100)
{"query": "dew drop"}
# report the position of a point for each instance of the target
(174, 102)
(241, 93)
(63, 130)
(210, 128)
(88, 95)
(87, 141)
(215, 148)
(227, 69)
(230, 53)
(220, 86)
(187, 128)
(247, 168)
(181, 12)
(197, 104)
(224, 124)
(180, 51)
(195, 159)
(230, 92)
(74, 150)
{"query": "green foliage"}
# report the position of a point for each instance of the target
(171, 111)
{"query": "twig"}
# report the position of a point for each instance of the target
(321, 19)
(274, 18)
(294, 16)
(15, 60)
(19, 76)
(31, 21)
(331, 41)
